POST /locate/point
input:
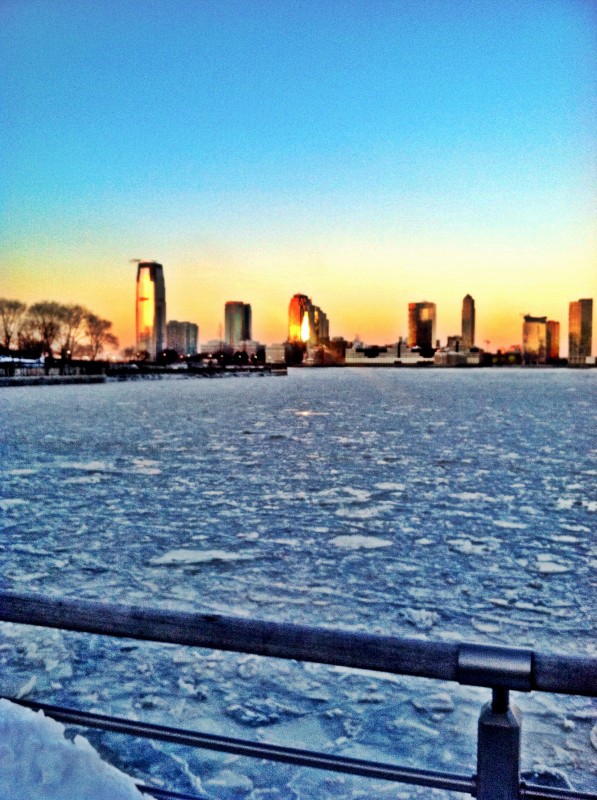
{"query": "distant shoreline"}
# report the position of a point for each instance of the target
(65, 380)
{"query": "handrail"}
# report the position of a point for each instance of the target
(500, 668)
(510, 668)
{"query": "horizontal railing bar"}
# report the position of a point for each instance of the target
(526, 793)
(403, 656)
(271, 752)
(533, 792)
(167, 794)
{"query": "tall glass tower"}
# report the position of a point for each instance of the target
(468, 322)
(237, 322)
(151, 308)
(300, 313)
(580, 328)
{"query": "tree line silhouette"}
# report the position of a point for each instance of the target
(53, 329)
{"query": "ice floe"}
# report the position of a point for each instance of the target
(549, 564)
(505, 523)
(359, 542)
(11, 502)
(174, 557)
(467, 548)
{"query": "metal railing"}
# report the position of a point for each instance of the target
(498, 668)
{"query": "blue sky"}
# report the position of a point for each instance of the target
(259, 148)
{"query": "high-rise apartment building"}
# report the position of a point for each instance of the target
(307, 323)
(183, 337)
(468, 322)
(421, 325)
(580, 329)
(237, 322)
(552, 340)
(321, 324)
(534, 340)
(299, 311)
(150, 308)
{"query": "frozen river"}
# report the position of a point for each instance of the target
(444, 504)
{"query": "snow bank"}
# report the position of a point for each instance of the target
(38, 763)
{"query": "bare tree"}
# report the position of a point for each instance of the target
(44, 323)
(11, 314)
(72, 327)
(99, 335)
(28, 341)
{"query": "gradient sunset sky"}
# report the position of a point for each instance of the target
(365, 153)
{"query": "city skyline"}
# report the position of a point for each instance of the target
(365, 153)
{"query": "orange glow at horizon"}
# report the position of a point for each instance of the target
(504, 284)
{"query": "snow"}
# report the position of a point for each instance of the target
(38, 763)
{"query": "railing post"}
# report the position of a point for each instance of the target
(498, 749)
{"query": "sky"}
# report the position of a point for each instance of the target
(366, 153)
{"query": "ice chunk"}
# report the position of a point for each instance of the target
(434, 703)
(26, 688)
(420, 617)
(549, 564)
(173, 557)
(232, 784)
(358, 542)
(408, 726)
(11, 502)
(504, 523)
(369, 512)
(466, 547)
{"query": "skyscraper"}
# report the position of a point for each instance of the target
(299, 311)
(468, 322)
(580, 329)
(307, 323)
(237, 322)
(247, 323)
(421, 325)
(150, 308)
(321, 324)
(182, 337)
(553, 340)
(534, 339)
